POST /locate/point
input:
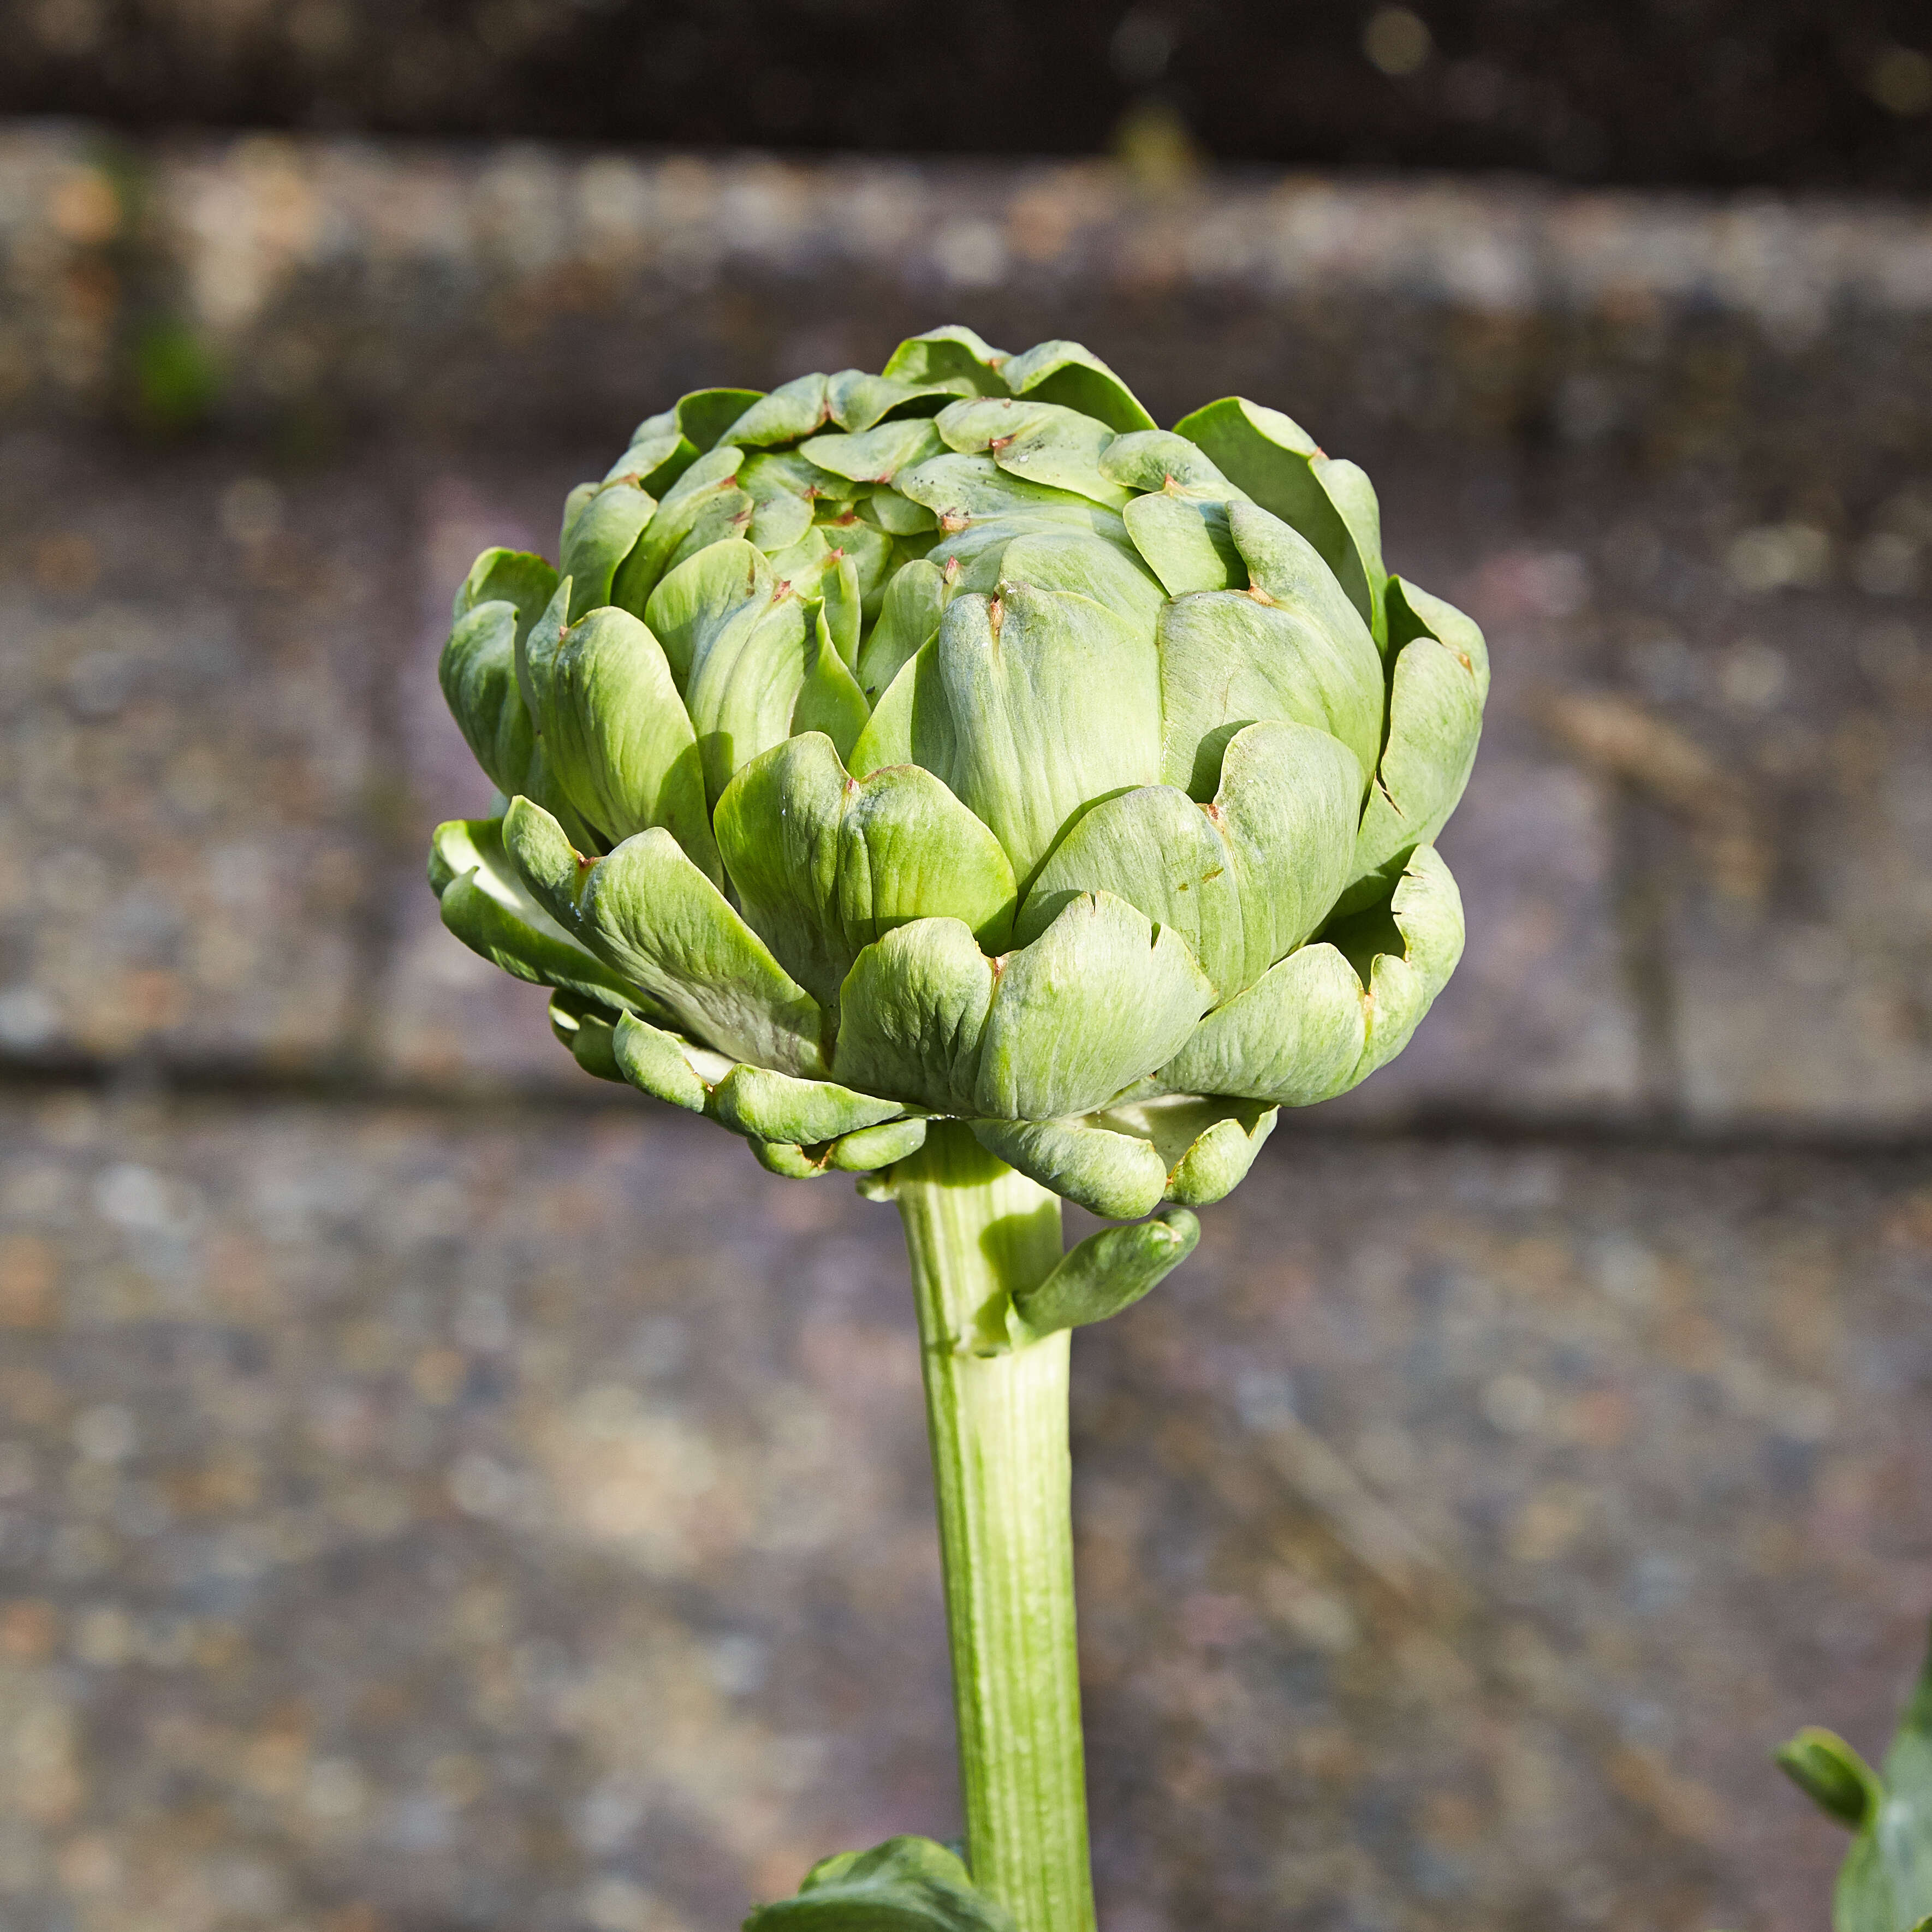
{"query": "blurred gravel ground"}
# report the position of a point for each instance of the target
(424, 1519)
(441, 1492)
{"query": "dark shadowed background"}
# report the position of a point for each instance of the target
(438, 1493)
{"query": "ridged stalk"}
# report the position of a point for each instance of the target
(977, 1233)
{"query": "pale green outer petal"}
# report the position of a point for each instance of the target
(1118, 1175)
(1101, 998)
(1086, 565)
(651, 458)
(916, 599)
(1156, 848)
(1206, 1147)
(777, 523)
(487, 905)
(551, 867)
(789, 472)
(658, 1064)
(1243, 880)
(875, 455)
(478, 671)
(1227, 660)
(841, 585)
(1293, 1038)
(898, 516)
(911, 1014)
(829, 701)
(663, 447)
(957, 488)
(763, 1105)
(824, 865)
(1413, 613)
(1436, 718)
(869, 552)
(656, 917)
(1404, 955)
(1347, 487)
(783, 1157)
(973, 555)
(1275, 461)
(1284, 567)
(953, 359)
(517, 577)
(800, 564)
(1028, 722)
(796, 409)
(705, 415)
(737, 646)
(618, 737)
(1067, 374)
(1109, 1272)
(1435, 708)
(873, 1148)
(1326, 1017)
(575, 504)
(725, 513)
(536, 646)
(708, 486)
(1158, 460)
(587, 1030)
(599, 539)
(478, 920)
(1185, 542)
(1039, 442)
(858, 401)
(1285, 806)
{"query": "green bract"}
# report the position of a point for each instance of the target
(953, 742)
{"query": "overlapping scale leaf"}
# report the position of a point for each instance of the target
(647, 911)
(1122, 1161)
(1037, 442)
(1244, 880)
(1289, 647)
(952, 358)
(663, 447)
(1323, 1019)
(485, 903)
(1073, 376)
(744, 652)
(618, 737)
(601, 527)
(1098, 1000)
(1331, 503)
(706, 493)
(1031, 706)
(1439, 676)
(824, 865)
(504, 594)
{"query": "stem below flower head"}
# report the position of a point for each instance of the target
(977, 1233)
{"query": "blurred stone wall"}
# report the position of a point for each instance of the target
(436, 1492)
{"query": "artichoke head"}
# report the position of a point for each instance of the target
(954, 742)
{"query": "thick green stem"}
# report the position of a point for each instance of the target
(976, 1234)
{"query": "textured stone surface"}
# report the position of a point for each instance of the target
(196, 663)
(417, 1519)
(1761, 694)
(310, 282)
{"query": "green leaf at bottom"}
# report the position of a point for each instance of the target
(906, 1885)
